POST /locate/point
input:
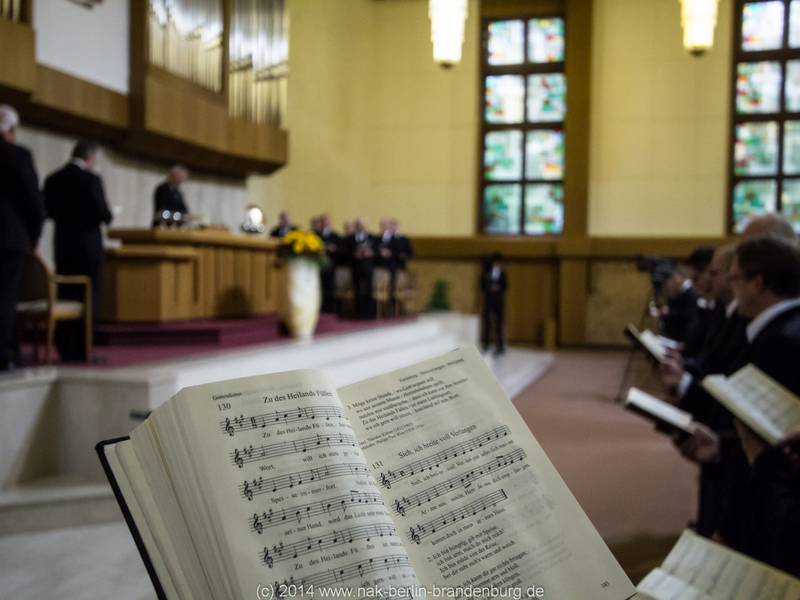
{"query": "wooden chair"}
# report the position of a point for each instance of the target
(38, 304)
(405, 292)
(381, 291)
(343, 291)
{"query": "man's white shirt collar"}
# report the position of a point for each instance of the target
(767, 315)
(731, 308)
(80, 163)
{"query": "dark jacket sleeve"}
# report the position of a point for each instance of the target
(98, 197)
(31, 204)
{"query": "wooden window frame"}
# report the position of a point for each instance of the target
(525, 69)
(782, 56)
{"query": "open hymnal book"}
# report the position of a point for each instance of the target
(654, 409)
(655, 345)
(423, 477)
(760, 402)
(699, 569)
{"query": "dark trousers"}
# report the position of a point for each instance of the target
(328, 283)
(492, 327)
(11, 266)
(71, 335)
(362, 290)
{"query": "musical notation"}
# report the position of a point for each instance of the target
(279, 552)
(254, 487)
(405, 503)
(351, 571)
(425, 464)
(423, 530)
(251, 453)
(311, 413)
(271, 518)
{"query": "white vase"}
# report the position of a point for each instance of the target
(300, 297)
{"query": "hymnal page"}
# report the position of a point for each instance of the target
(658, 409)
(475, 499)
(767, 407)
(698, 566)
(649, 341)
(296, 508)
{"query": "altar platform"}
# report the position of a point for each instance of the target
(50, 476)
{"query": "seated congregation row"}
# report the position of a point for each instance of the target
(728, 307)
(360, 264)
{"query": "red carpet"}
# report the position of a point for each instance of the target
(126, 344)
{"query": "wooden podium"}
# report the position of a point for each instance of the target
(170, 274)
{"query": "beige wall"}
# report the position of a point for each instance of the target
(377, 129)
(659, 139)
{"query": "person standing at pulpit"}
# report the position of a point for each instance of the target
(283, 227)
(21, 218)
(76, 202)
(169, 197)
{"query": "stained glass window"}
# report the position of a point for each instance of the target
(547, 97)
(794, 24)
(791, 148)
(792, 98)
(758, 87)
(544, 209)
(503, 155)
(762, 25)
(544, 154)
(501, 208)
(766, 128)
(523, 123)
(506, 42)
(790, 202)
(752, 197)
(756, 151)
(505, 98)
(546, 40)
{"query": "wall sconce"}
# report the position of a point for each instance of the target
(447, 30)
(698, 21)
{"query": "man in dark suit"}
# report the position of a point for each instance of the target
(333, 249)
(494, 284)
(21, 217)
(681, 308)
(168, 195)
(361, 248)
(761, 515)
(76, 202)
(283, 227)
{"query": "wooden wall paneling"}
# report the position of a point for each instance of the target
(243, 281)
(225, 282)
(617, 296)
(259, 298)
(68, 94)
(572, 295)
(529, 300)
(461, 276)
(208, 279)
(18, 52)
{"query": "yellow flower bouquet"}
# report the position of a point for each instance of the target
(303, 244)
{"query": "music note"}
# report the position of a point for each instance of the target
(436, 460)
(422, 530)
(260, 421)
(407, 503)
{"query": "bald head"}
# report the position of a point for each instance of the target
(9, 121)
(772, 224)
